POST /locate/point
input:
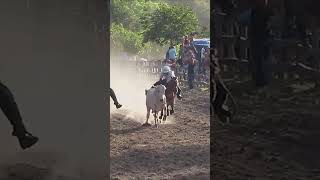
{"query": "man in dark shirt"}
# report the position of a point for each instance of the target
(11, 110)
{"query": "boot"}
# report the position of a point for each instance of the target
(26, 139)
(118, 105)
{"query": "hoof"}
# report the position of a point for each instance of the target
(171, 111)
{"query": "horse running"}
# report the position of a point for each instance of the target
(171, 92)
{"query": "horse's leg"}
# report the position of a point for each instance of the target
(172, 108)
(155, 119)
(161, 114)
(148, 115)
(171, 111)
(165, 114)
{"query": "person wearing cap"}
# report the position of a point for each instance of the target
(10, 108)
(167, 75)
(114, 98)
(190, 60)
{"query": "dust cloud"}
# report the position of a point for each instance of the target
(130, 90)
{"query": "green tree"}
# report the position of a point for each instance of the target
(128, 13)
(124, 39)
(169, 23)
(200, 7)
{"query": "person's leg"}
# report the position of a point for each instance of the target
(200, 66)
(190, 80)
(114, 98)
(11, 110)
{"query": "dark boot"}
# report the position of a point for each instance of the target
(10, 109)
(118, 105)
(26, 139)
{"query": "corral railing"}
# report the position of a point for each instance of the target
(149, 70)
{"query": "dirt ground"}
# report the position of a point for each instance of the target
(274, 136)
(178, 149)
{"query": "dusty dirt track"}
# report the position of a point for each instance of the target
(272, 138)
(177, 150)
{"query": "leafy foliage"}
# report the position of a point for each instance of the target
(200, 7)
(128, 13)
(124, 39)
(144, 26)
(169, 23)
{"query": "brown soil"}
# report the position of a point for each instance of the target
(176, 150)
(271, 138)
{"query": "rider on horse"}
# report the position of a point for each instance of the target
(166, 76)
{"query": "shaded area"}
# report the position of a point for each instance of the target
(52, 61)
(275, 135)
